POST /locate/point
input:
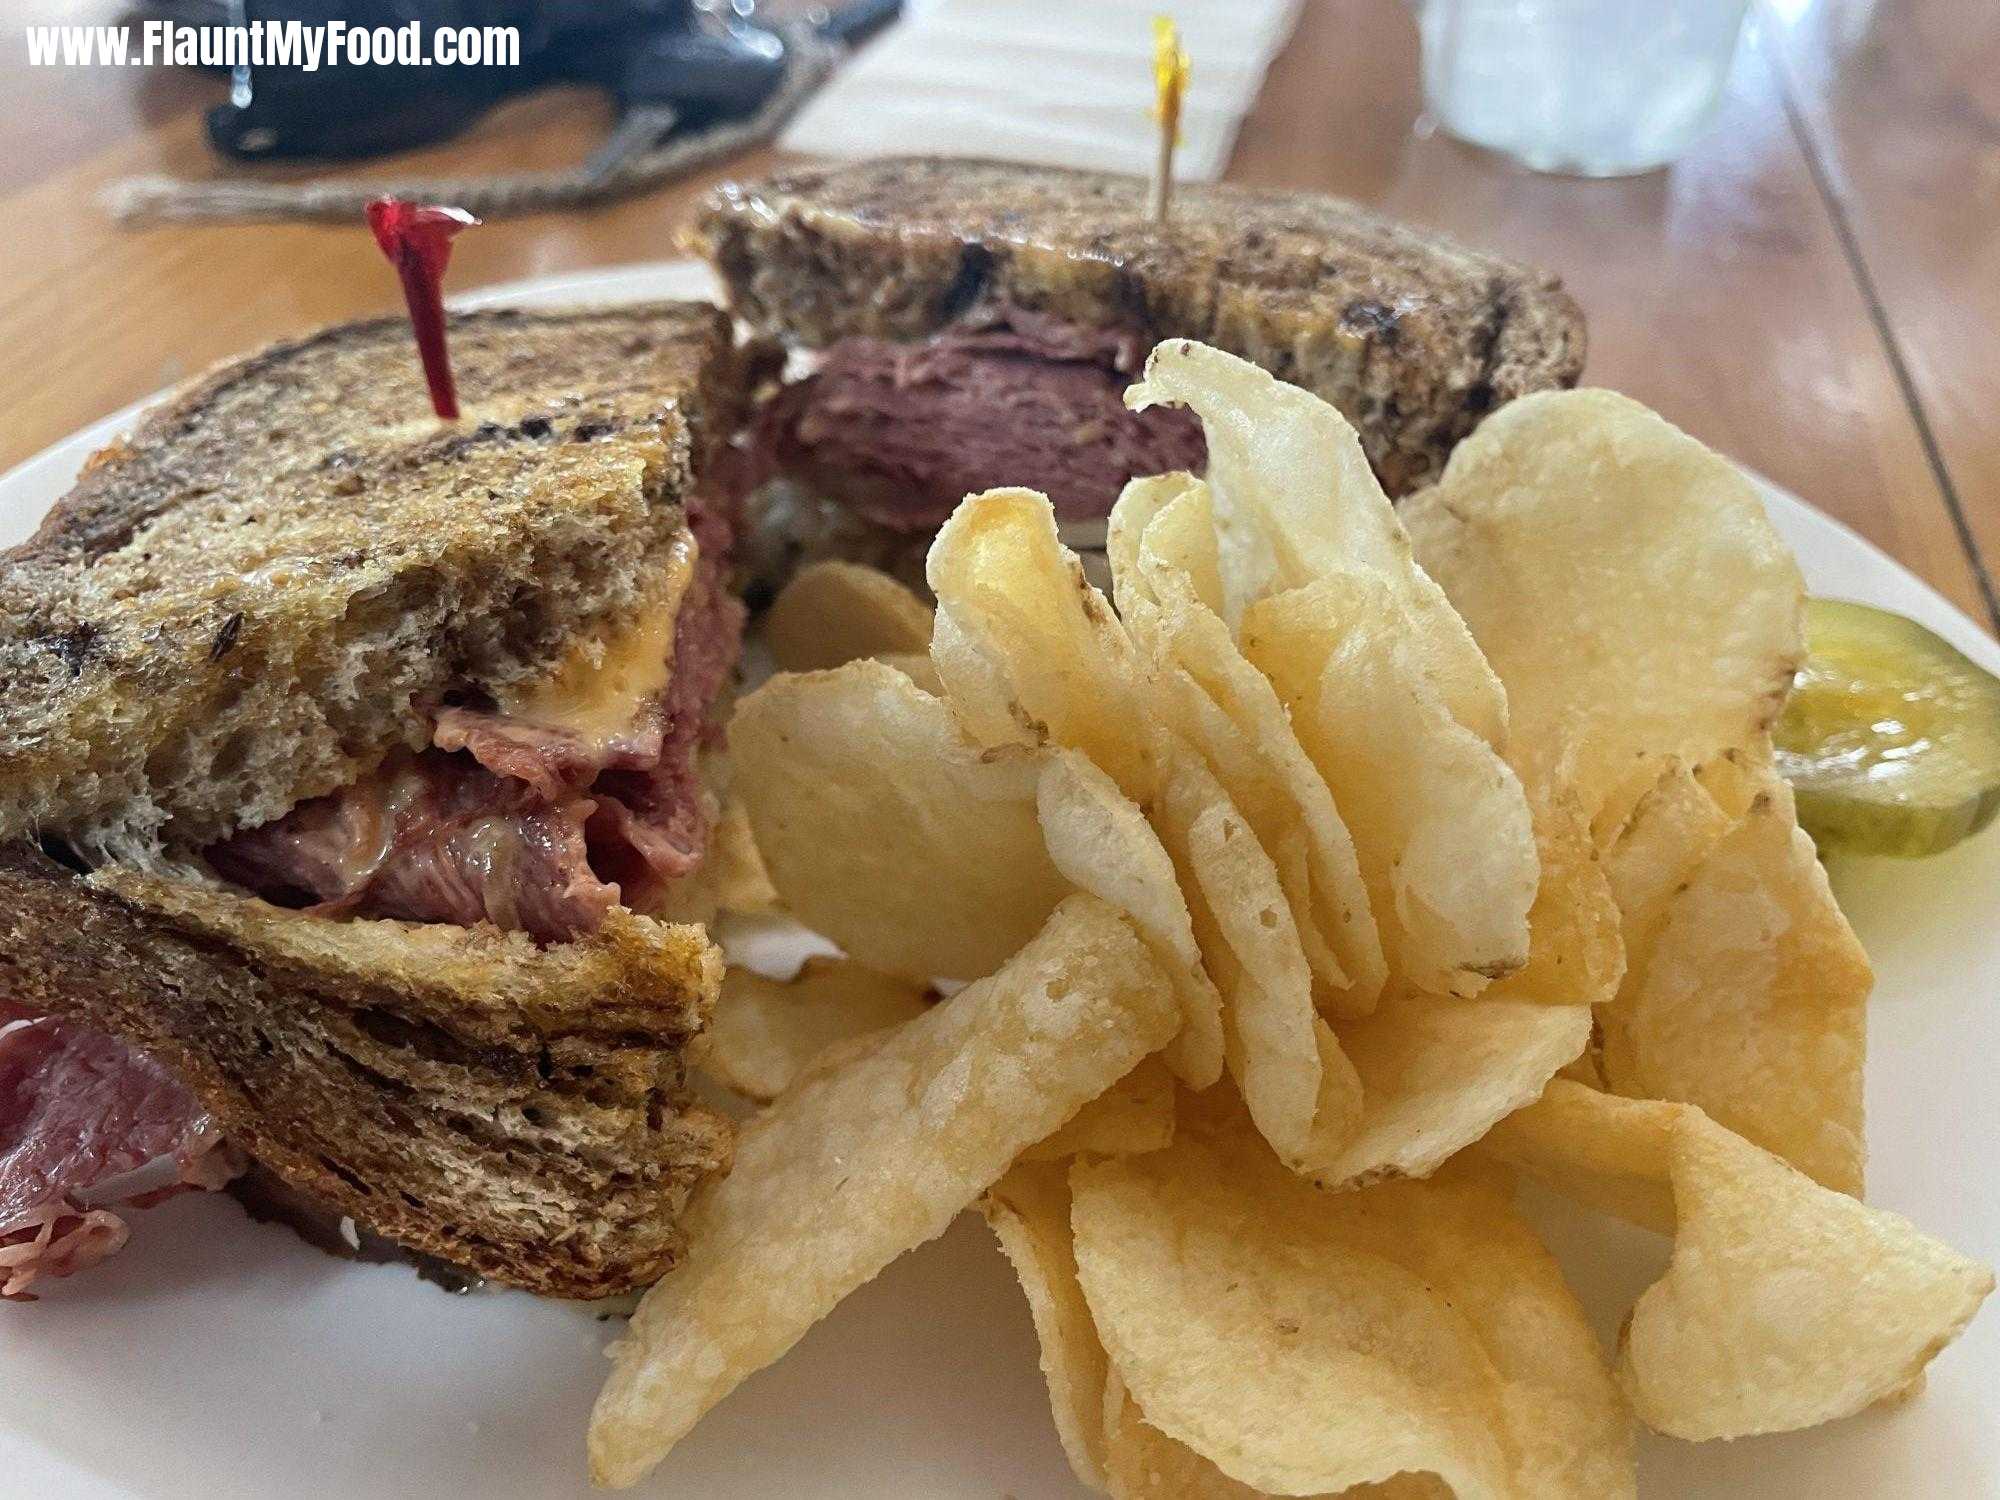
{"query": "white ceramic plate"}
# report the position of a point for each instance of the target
(216, 1358)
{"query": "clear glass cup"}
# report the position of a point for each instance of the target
(1597, 88)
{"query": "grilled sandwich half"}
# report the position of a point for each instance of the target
(976, 320)
(343, 752)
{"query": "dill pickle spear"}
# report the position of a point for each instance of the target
(1891, 737)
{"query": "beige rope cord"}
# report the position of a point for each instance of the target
(626, 166)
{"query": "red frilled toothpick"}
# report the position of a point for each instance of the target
(417, 239)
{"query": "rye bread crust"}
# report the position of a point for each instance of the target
(1411, 335)
(519, 1112)
(256, 596)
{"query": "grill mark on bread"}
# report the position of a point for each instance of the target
(975, 266)
(225, 638)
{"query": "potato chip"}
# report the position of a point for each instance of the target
(1256, 783)
(888, 830)
(1623, 581)
(976, 685)
(1604, 1152)
(1231, 712)
(1437, 1074)
(1332, 993)
(1143, 1463)
(1440, 823)
(1738, 777)
(1265, 1342)
(1753, 1003)
(1569, 1432)
(918, 667)
(1670, 831)
(1647, 858)
(835, 612)
(1585, 1067)
(1576, 950)
(1186, 540)
(1287, 463)
(1300, 1089)
(735, 868)
(1785, 1304)
(1109, 1445)
(1305, 1342)
(1029, 1212)
(1133, 1116)
(764, 1031)
(1101, 842)
(1028, 650)
(852, 1167)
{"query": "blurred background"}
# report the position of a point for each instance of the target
(1781, 218)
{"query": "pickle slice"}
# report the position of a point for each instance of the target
(1891, 737)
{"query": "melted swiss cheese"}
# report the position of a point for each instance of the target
(606, 679)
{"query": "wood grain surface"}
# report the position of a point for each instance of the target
(1812, 289)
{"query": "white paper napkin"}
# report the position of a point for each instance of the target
(1063, 83)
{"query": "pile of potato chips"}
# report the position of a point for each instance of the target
(1353, 864)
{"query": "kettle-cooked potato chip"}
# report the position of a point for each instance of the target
(1606, 1153)
(835, 612)
(1143, 1463)
(886, 829)
(1741, 775)
(1304, 1342)
(1275, 829)
(1786, 1304)
(1436, 1074)
(1440, 822)
(740, 879)
(1028, 1210)
(1185, 541)
(1230, 711)
(1753, 1002)
(1287, 464)
(918, 667)
(1576, 949)
(1135, 1115)
(764, 1031)
(1622, 580)
(1669, 831)
(1029, 651)
(855, 1165)
(1266, 1341)
(1100, 841)
(1301, 1090)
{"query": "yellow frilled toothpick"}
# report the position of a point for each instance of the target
(1170, 79)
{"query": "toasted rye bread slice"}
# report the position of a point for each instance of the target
(253, 598)
(519, 1112)
(250, 602)
(1411, 335)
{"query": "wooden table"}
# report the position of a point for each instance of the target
(1814, 289)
